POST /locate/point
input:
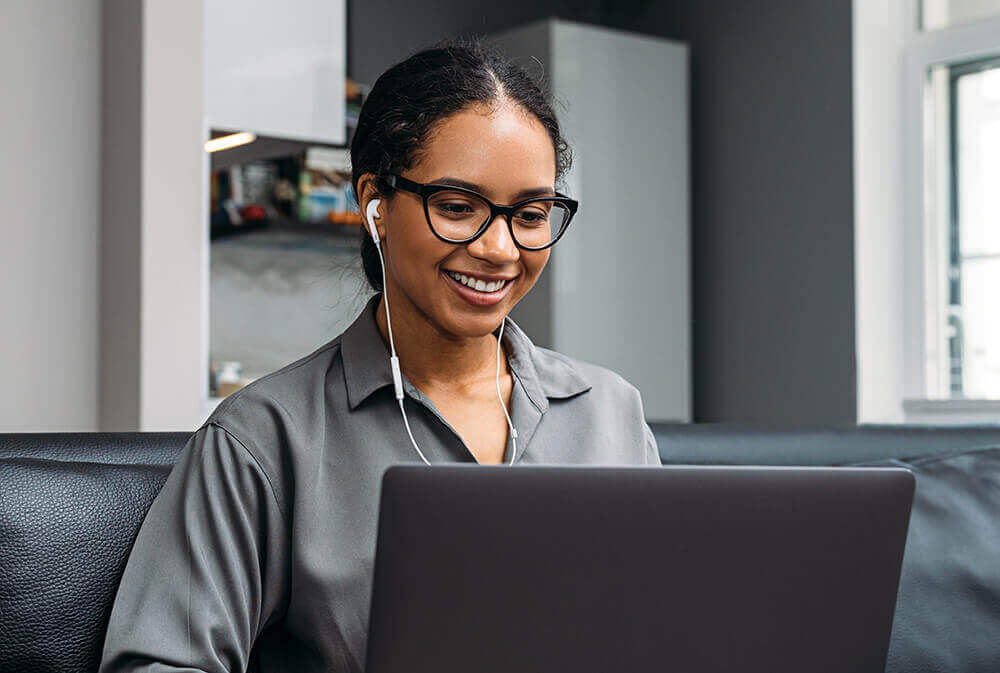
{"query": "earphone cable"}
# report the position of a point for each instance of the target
(394, 359)
(385, 295)
(510, 423)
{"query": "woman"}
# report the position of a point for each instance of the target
(258, 550)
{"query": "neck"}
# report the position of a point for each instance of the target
(431, 359)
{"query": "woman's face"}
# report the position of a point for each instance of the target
(504, 151)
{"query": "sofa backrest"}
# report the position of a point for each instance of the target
(67, 529)
(736, 444)
(70, 507)
(118, 448)
(948, 607)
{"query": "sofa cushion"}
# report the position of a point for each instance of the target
(67, 529)
(948, 607)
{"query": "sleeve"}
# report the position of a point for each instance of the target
(652, 450)
(208, 568)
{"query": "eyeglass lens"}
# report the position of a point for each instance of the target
(457, 216)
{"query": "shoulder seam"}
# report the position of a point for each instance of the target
(267, 478)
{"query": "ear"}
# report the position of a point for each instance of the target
(368, 192)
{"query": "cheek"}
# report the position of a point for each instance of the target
(416, 252)
(534, 262)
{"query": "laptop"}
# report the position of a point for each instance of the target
(553, 569)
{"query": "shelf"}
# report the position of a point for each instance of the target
(351, 231)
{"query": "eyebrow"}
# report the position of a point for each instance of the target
(524, 193)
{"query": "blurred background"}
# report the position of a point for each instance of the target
(790, 209)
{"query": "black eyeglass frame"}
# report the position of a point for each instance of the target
(425, 190)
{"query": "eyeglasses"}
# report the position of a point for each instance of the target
(459, 215)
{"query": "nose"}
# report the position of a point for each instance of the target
(495, 245)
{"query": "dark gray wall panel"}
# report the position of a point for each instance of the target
(772, 201)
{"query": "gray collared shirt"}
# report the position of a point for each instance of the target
(262, 538)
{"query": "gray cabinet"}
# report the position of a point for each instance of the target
(617, 288)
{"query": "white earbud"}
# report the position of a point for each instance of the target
(371, 214)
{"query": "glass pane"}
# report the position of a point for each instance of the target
(936, 14)
(539, 222)
(981, 335)
(456, 215)
(976, 224)
(966, 212)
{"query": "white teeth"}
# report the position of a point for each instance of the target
(480, 285)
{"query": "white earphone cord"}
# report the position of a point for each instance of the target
(394, 359)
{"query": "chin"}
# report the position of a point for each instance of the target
(468, 321)
(475, 325)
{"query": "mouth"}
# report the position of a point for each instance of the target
(480, 283)
(479, 290)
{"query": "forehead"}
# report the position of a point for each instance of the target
(504, 149)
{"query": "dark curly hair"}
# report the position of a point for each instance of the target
(411, 97)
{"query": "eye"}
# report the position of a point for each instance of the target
(531, 216)
(454, 208)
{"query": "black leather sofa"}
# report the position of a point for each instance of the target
(71, 504)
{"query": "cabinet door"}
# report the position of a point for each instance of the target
(276, 68)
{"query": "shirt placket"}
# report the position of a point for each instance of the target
(524, 416)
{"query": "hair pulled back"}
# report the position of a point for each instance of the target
(411, 97)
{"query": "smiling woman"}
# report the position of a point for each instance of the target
(435, 144)
(257, 553)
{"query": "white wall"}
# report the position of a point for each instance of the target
(174, 242)
(50, 68)
(879, 32)
(103, 268)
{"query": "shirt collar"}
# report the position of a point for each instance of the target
(543, 373)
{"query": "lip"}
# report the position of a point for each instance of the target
(475, 297)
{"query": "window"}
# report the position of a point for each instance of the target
(964, 102)
(951, 111)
